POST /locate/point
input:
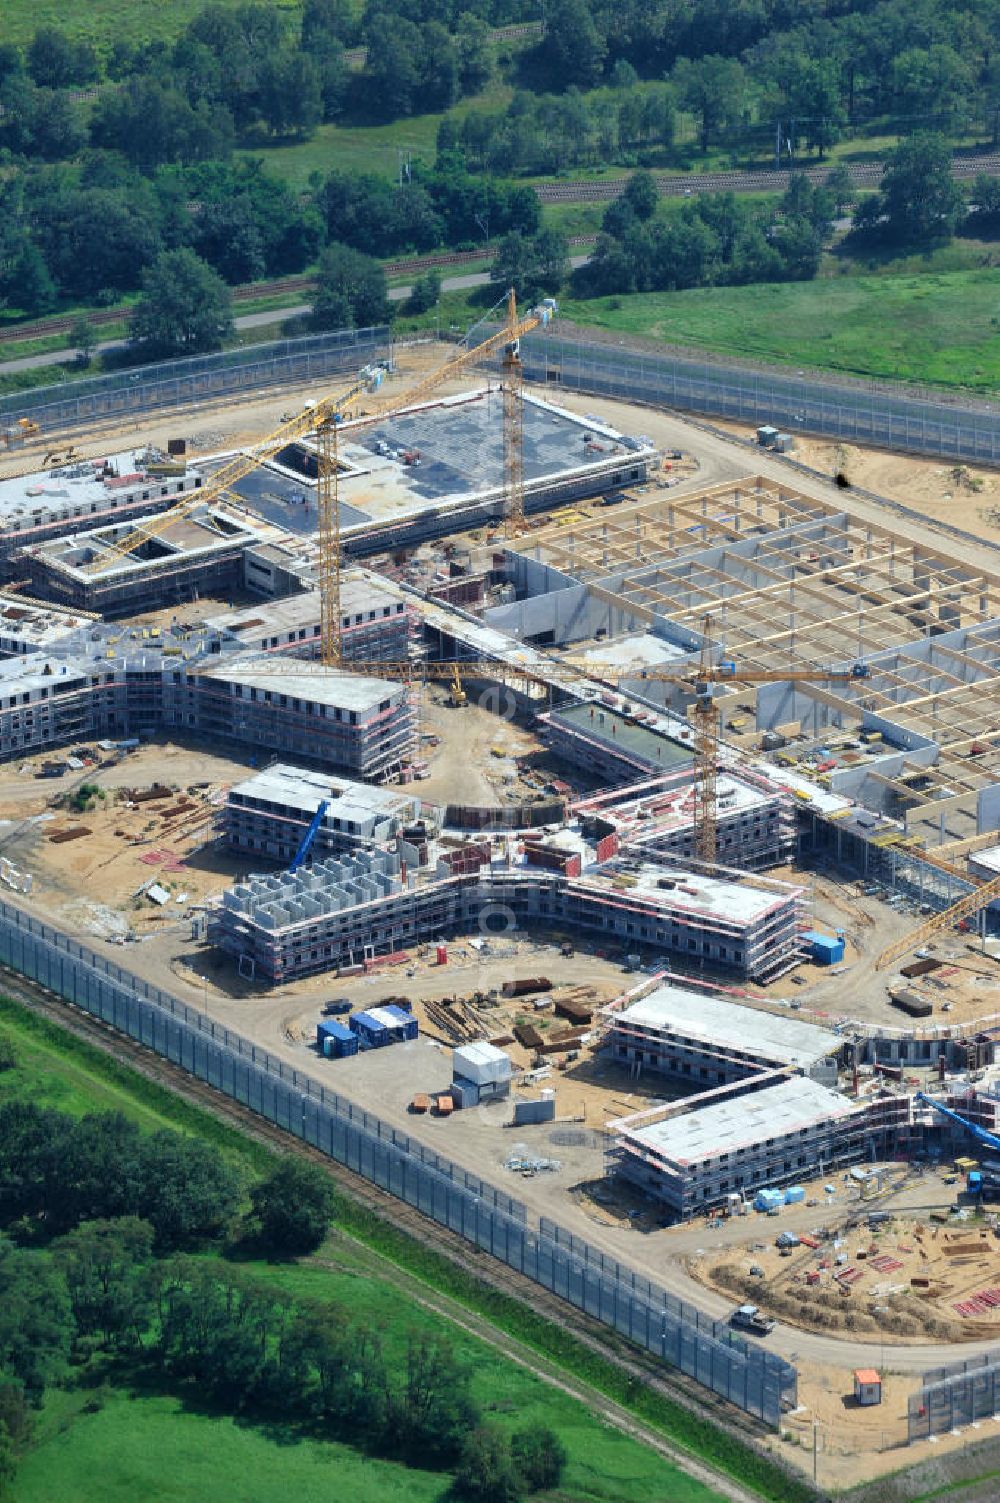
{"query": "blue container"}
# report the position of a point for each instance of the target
(825, 949)
(794, 1194)
(767, 1200)
(336, 1041)
(370, 1032)
(408, 1026)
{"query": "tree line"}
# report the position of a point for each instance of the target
(813, 68)
(98, 1224)
(721, 240)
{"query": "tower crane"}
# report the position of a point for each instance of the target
(324, 418)
(697, 681)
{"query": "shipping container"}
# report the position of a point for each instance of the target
(336, 1041)
(464, 1094)
(825, 949)
(371, 1033)
(527, 986)
(910, 1002)
(481, 1063)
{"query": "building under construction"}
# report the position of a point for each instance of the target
(701, 1038)
(287, 926)
(204, 553)
(103, 682)
(767, 1131)
(755, 820)
(269, 814)
(78, 494)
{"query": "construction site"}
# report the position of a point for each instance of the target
(569, 770)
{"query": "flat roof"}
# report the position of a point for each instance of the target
(714, 1020)
(990, 859)
(613, 730)
(735, 900)
(300, 788)
(74, 488)
(775, 1111)
(294, 680)
(637, 647)
(446, 450)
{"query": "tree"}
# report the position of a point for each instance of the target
(189, 1194)
(290, 94)
(841, 186)
(8, 1054)
(16, 1426)
(35, 292)
(476, 58)
(151, 122)
(185, 309)
(572, 50)
(293, 1208)
(431, 1410)
(83, 339)
(36, 1323)
(918, 200)
(642, 195)
(984, 203)
(348, 282)
(532, 264)
(106, 1268)
(56, 62)
(539, 1458)
(424, 293)
(714, 89)
(394, 64)
(486, 1472)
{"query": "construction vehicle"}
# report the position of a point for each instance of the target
(752, 1319)
(457, 694)
(305, 846)
(29, 428)
(981, 1135)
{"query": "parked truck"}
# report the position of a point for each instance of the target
(751, 1318)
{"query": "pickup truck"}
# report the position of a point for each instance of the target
(750, 1318)
(338, 1008)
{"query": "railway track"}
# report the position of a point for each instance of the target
(635, 1364)
(46, 327)
(862, 174)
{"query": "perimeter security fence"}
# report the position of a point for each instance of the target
(177, 383)
(954, 1396)
(806, 403)
(679, 1334)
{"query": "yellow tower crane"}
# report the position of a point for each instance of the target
(325, 418)
(698, 681)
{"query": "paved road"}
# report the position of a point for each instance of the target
(254, 320)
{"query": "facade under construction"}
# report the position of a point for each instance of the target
(269, 814)
(286, 926)
(702, 1038)
(771, 1130)
(96, 681)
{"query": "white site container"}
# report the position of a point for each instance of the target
(481, 1063)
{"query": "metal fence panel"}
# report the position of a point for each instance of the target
(679, 1333)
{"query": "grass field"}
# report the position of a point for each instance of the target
(154, 1448)
(940, 328)
(102, 21)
